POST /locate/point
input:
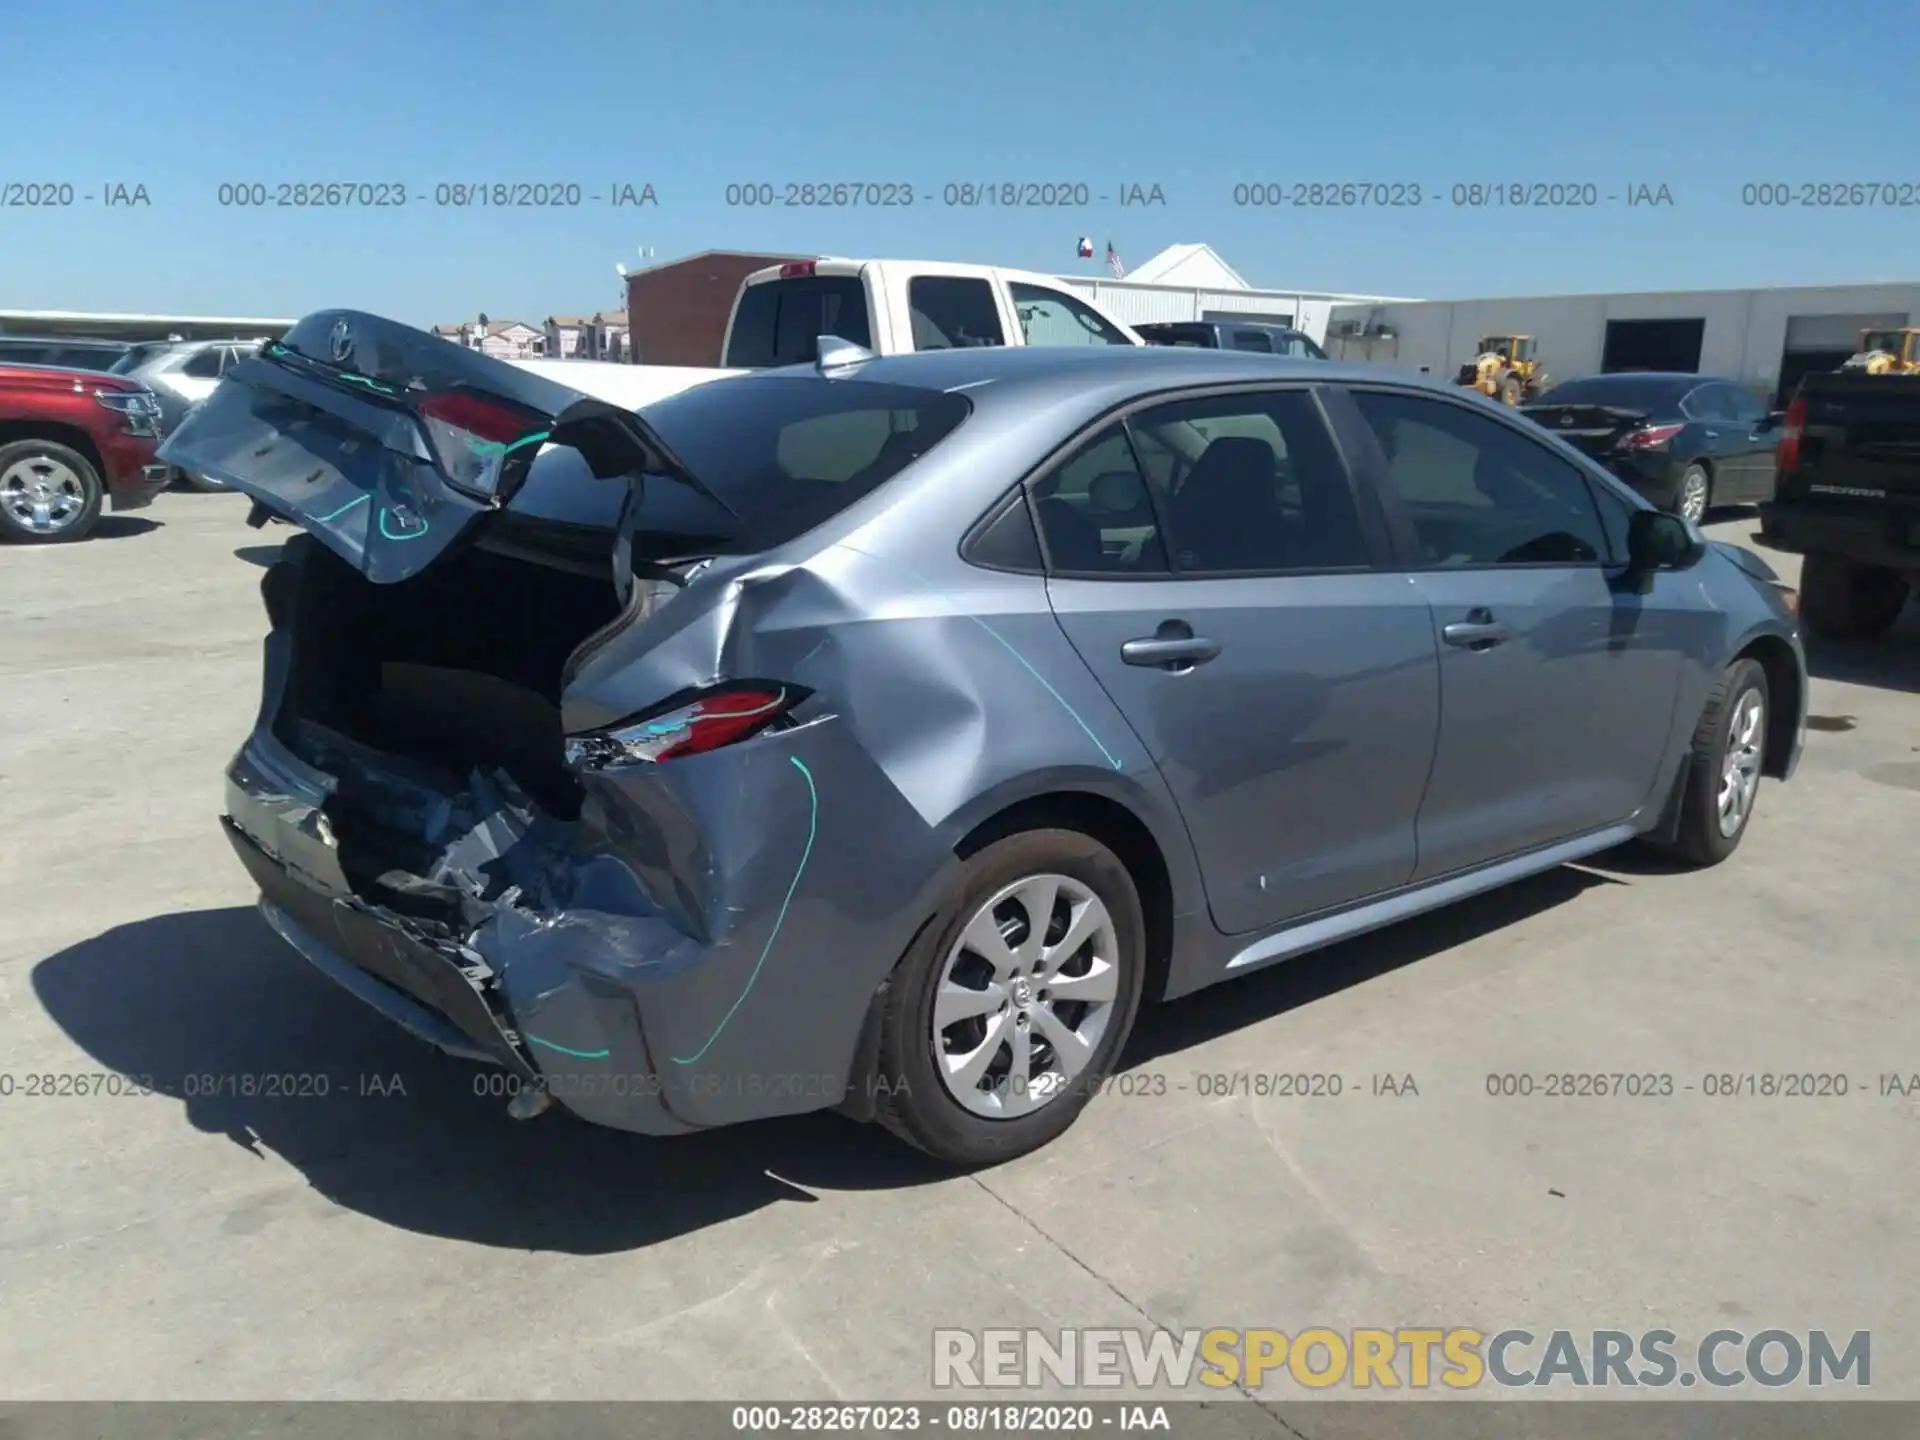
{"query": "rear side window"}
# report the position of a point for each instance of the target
(780, 322)
(1251, 483)
(204, 366)
(1096, 513)
(949, 313)
(1198, 337)
(1252, 340)
(784, 453)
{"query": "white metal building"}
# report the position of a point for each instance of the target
(1191, 282)
(1764, 339)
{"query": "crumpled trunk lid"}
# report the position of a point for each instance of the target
(388, 444)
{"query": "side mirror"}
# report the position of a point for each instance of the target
(1657, 540)
(1770, 421)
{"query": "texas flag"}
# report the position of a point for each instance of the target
(1086, 247)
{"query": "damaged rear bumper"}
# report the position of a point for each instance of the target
(734, 996)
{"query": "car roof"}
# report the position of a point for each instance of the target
(1668, 377)
(1143, 366)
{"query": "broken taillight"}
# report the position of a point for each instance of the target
(471, 431)
(709, 721)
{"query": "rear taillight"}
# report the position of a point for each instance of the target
(798, 268)
(470, 431)
(710, 721)
(1653, 437)
(1786, 455)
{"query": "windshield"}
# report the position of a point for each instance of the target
(1890, 341)
(1495, 345)
(784, 453)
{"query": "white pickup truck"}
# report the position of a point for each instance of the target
(890, 307)
(893, 307)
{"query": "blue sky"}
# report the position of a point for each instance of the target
(1195, 97)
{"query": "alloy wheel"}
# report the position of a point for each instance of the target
(1693, 496)
(42, 494)
(1740, 774)
(1025, 995)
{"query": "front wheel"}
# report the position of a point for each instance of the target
(1510, 390)
(48, 492)
(1723, 780)
(1010, 1009)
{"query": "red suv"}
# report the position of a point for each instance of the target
(71, 440)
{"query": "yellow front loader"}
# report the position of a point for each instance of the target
(1505, 369)
(1887, 352)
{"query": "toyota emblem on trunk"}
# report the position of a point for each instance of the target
(342, 342)
(1566, 420)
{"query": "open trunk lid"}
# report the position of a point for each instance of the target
(388, 444)
(1594, 429)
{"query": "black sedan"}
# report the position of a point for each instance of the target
(1686, 442)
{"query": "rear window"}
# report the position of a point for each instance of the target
(1656, 397)
(1194, 336)
(136, 357)
(786, 453)
(779, 322)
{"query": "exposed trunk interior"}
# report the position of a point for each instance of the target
(457, 669)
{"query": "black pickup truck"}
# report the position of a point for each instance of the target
(1847, 498)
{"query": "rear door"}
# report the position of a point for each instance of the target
(387, 443)
(1558, 679)
(1232, 603)
(1747, 419)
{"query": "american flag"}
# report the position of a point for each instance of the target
(1114, 262)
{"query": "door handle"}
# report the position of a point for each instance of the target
(1479, 631)
(1173, 647)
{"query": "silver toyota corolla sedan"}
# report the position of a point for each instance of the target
(880, 734)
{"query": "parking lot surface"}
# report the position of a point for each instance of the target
(383, 1231)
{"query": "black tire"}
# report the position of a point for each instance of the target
(1699, 841)
(1687, 477)
(1843, 601)
(14, 528)
(911, 1098)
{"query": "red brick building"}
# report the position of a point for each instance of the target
(677, 312)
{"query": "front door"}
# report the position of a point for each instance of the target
(1557, 680)
(1209, 564)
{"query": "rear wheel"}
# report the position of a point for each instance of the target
(1010, 1009)
(1510, 390)
(48, 492)
(1694, 494)
(1843, 601)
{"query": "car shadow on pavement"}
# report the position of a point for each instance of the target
(1891, 662)
(195, 1003)
(120, 527)
(1195, 1019)
(261, 555)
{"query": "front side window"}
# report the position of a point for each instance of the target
(1255, 340)
(1478, 492)
(951, 313)
(1052, 317)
